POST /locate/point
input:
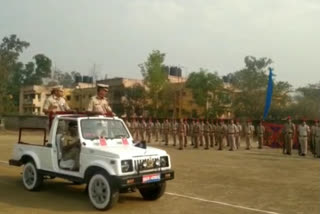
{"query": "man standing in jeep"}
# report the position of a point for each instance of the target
(99, 103)
(55, 102)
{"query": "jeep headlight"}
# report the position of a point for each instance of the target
(164, 161)
(126, 166)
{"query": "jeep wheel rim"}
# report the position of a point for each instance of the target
(29, 176)
(99, 191)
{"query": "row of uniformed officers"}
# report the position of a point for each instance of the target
(207, 133)
(211, 133)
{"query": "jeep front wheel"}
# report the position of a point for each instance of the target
(31, 178)
(151, 193)
(102, 193)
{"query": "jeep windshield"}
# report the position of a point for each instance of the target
(109, 129)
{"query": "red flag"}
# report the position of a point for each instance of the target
(125, 141)
(103, 142)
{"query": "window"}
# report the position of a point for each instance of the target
(68, 97)
(77, 97)
(109, 129)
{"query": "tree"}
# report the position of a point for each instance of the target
(67, 79)
(205, 86)
(155, 77)
(281, 100)
(307, 102)
(10, 50)
(250, 84)
(134, 100)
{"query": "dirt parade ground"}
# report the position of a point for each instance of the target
(207, 181)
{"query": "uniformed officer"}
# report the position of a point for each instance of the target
(260, 134)
(313, 137)
(303, 133)
(142, 129)
(174, 131)
(193, 122)
(157, 130)
(181, 133)
(196, 134)
(238, 134)
(187, 132)
(232, 129)
(55, 102)
(248, 131)
(149, 128)
(166, 130)
(212, 133)
(135, 128)
(288, 131)
(206, 133)
(201, 133)
(128, 124)
(317, 139)
(71, 145)
(99, 104)
(222, 134)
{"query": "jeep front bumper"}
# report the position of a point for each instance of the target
(145, 178)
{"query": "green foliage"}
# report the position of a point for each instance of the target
(251, 83)
(155, 77)
(205, 86)
(66, 79)
(15, 73)
(307, 102)
(10, 50)
(134, 100)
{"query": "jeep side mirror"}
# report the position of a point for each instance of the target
(141, 144)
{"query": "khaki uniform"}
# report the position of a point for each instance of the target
(135, 128)
(54, 104)
(181, 128)
(166, 130)
(317, 141)
(157, 130)
(191, 133)
(206, 134)
(313, 139)
(238, 135)
(212, 134)
(186, 133)
(142, 128)
(260, 134)
(288, 131)
(248, 131)
(303, 132)
(224, 133)
(100, 105)
(71, 149)
(196, 134)
(201, 133)
(149, 128)
(232, 129)
(174, 129)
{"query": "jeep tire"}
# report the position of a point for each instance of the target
(31, 178)
(103, 194)
(153, 192)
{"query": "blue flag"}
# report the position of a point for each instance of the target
(269, 95)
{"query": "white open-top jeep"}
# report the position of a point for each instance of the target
(98, 151)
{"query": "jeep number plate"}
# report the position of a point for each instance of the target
(151, 178)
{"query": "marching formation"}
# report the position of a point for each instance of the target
(221, 134)
(198, 132)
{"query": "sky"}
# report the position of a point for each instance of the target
(117, 35)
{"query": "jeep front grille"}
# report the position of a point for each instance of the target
(146, 164)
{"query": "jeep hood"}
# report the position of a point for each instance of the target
(124, 151)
